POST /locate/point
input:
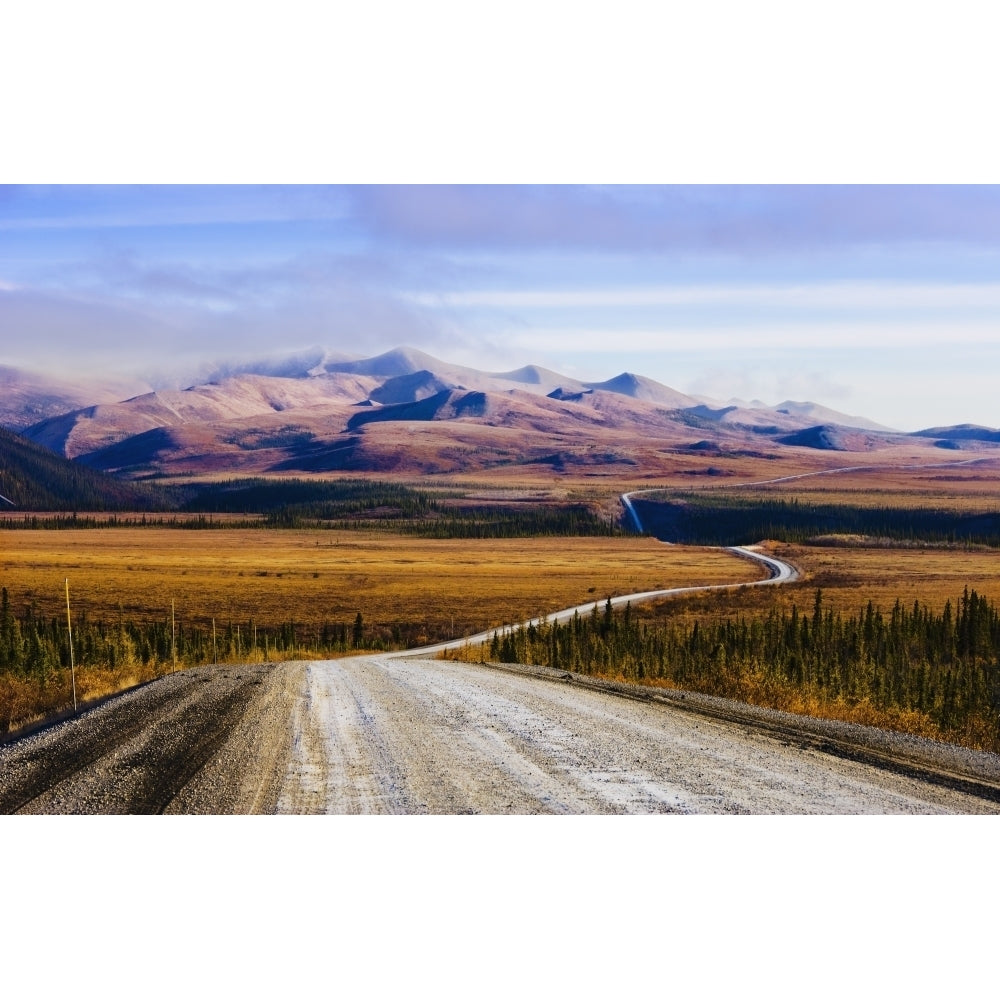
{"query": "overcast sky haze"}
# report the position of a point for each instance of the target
(877, 301)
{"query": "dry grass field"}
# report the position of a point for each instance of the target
(672, 465)
(969, 488)
(314, 576)
(850, 577)
(961, 483)
(411, 589)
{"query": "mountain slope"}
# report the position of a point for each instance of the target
(817, 414)
(409, 388)
(33, 478)
(97, 427)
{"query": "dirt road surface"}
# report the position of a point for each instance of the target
(394, 735)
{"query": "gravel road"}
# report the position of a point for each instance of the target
(396, 735)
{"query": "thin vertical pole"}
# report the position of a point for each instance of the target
(173, 633)
(72, 662)
(215, 649)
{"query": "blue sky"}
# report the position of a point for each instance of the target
(877, 301)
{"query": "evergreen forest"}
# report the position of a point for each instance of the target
(701, 519)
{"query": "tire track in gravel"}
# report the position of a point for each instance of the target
(134, 753)
(341, 762)
(187, 739)
(30, 767)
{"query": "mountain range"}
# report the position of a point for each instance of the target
(407, 412)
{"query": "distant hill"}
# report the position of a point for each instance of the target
(392, 364)
(824, 415)
(960, 432)
(833, 437)
(81, 432)
(409, 388)
(640, 387)
(34, 478)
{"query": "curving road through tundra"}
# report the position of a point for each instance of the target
(406, 733)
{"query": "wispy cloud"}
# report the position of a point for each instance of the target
(767, 385)
(791, 336)
(819, 295)
(713, 219)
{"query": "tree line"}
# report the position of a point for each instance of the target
(306, 499)
(373, 505)
(346, 504)
(730, 520)
(35, 645)
(65, 522)
(35, 649)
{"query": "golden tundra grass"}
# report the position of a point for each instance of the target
(968, 495)
(315, 576)
(24, 701)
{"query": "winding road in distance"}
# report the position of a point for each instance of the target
(780, 572)
(403, 732)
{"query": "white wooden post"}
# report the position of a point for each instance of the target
(72, 662)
